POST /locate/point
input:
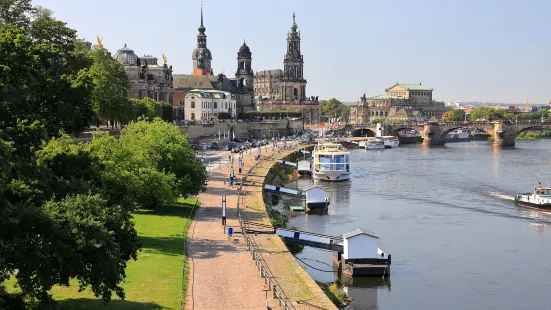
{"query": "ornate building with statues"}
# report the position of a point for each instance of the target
(146, 77)
(401, 102)
(204, 78)
(286, 89)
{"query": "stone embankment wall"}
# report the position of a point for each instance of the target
(258, 130)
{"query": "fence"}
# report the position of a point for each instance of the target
(263, 269)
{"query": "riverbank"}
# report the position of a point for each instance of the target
(223, 274)
(297, 284)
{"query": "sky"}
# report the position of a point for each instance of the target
(470, 50)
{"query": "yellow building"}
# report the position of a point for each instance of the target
(407, 97)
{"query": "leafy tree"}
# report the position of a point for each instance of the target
(147, 108)
(54, 226)
(333, 108)
(110, 94)
(161, 145)
(453, 115)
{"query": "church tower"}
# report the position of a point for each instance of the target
(244, 73)
(294, 86)
(201, 55)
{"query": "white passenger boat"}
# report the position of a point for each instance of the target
(539, 199)
(331, 162)
(375, 144)
(390, 141)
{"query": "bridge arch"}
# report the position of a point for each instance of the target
(362, 132)
(528, 128)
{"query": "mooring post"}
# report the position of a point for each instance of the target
(224, 212)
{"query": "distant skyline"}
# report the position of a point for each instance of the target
(488, 51)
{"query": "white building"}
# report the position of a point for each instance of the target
(206, 104)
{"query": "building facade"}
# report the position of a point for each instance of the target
(401, 102)
(286, 89)
(146, 77)
(204, 105)
(204, 78)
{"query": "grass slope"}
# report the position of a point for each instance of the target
(154, 281)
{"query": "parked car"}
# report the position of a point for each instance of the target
(247, 145)
(231, 146)
(214, 146)
(204, 146)
(196, 147)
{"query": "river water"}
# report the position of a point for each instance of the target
(447, 216)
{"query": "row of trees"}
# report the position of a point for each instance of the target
(66, 209)
(333, 108)
(488, 113)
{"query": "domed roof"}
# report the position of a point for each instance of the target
(126, 56)
(204, 50)
(244, 49)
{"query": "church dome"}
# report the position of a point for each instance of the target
(197, 51)
(244, 49)
(126, 56)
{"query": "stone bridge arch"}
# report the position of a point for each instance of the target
(363, 132)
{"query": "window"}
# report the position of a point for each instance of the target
(192, 116)
(182, 101)
(226, 105)
(193, 104)
(215, 105)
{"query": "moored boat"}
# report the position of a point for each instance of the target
(539, 199)
(331, 162)
(390, 141)
(459, 135)
(375, 144)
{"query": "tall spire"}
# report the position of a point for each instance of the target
(202, 37)
(294, 24)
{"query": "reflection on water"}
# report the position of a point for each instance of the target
(446, 215)
(363, 291)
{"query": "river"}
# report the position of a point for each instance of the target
(447, 216)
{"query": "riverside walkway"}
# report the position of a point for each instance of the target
(222, 273)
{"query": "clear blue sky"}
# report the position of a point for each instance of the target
(485, 50)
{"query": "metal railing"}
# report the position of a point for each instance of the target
(262, 266)
(264, 270)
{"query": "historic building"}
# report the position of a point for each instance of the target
(205, 104)
(286, 89)
(204, 78)
(146, 77)
(401, 102)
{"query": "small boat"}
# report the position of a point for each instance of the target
(539, 199)
(390, 141)
(296, 208)
(316, 198)
(459, 135)
(331, 162)
(375, 144)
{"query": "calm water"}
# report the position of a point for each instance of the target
(447, 217)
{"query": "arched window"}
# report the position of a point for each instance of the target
(193, 105)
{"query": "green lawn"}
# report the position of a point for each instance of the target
(154, 280)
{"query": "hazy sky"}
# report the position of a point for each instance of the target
(485, 50)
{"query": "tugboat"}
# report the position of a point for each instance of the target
(539, 199)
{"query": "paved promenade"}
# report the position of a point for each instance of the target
(222, 273)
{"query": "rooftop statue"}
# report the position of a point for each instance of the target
(100, 43)
(164, 59)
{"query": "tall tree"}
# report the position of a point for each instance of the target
(110, 94)
(52, 225)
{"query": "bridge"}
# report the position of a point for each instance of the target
(434, 133)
